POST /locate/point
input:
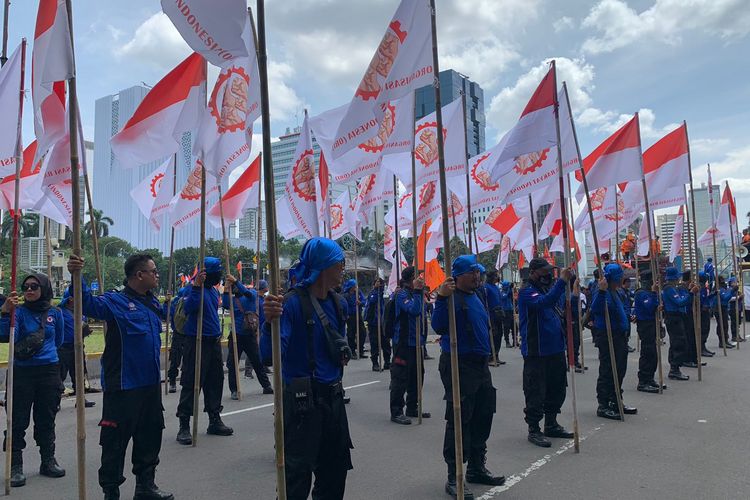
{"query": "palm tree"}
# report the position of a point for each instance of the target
(25, 224)
(102, 223)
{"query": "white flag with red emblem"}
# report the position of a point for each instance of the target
(157, 185)
(372, 190)
(679, 228)
(323, 199)
(300, 185)
(186, 204)
(508, 223)
(401, 64)
(172, 107)
(10, 103)
(52, 64)
(243, 194)
(342, 216)
(723, 227)
(30, 182)
(643, 239)
(284, 223)
(213, 28)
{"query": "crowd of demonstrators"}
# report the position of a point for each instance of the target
(318, 324)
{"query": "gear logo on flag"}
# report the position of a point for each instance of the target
(366, 186)
(426, 194)
(482, 177)
(388, 235)
(233, 86)
(620, 211)
(492, 216)
(382, 62)
(337, 216)
(303, 176)
(427, 150)
(387, 124)
(597, 198)
(528, 163)
(456, 208)
(404, 199)
(505, 245)
(156, 184)
(192, 189)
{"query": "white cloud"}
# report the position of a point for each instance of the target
(665, 21)
(156, 42)
(284, 100)
(562, 24)
(734, 163)
(707, 146)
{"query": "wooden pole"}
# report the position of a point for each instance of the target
(4, 55)
(607, 320)
(259, 231)
(653, 257)
(48, 246)
(740, 280)
(617, 225)
(381, 361)
(686, 222)
(396, 234)
(170, 285)
(533, 227)
(720, 312)
(468, 185)
(420, 321)
(566, 264)
(578, 274)
(10, 379)
(76, 276)
(356, 295)
(736, 273)
(273, 254)
(456, 391)
(199, 328)
(233, 326)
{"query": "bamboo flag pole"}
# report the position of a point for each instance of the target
(720, 312)
(686, 222)
(740, 279)
(76, 276)
(233, 325)
(10, 379)
(170, 285)
(4, 54)
(420, 321)
(380, 359)
(201, 313)
(259, 231)
(356, 295)
(48, 247)
(733, 239)
(273, 254)
(533, 227)
(575, 244)
(396, 234)
(566, 264)
(455, 392)
(653, 257)
(607, 319)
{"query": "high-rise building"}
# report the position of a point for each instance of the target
(703, 221)
(665, 229)
(112, 183)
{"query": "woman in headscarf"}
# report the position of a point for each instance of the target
(39, 332)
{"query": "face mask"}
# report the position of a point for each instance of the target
(212, 279)
(545, 280)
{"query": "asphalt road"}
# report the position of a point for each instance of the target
(690, 442)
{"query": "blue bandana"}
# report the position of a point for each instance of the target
(212, 264)
(317, 255)
(348, 285)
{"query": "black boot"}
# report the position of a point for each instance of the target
(17, 477)
(112, 494)
(217, 427)
(172, 386)
(451, 487)
(477, 473)
(606, 411)
(49, 466)
(553, 429)
(536, 437)
(184, 436)
(146, 489)
(676, 374)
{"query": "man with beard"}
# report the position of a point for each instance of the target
(478, 396)
(542, 331)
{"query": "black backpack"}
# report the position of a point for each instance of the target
(389, 317)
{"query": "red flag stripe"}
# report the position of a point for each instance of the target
(671, 146)
(46, 16)
(250, 176)
(626, 137)
(543, 97)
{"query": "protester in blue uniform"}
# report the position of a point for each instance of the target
(66, 352)
(374, 316)
(722, 318)
(131, 377)
(734, 305)
(354, 301)
(478, 396)
(708, 268)
(409, 311)
(509, 320)
(645, 306)
(494, 307)
(606, 295)
(691, 347)
(708, 302)
(313, 351)
(212, 365)
(626, 296)
(676, 302)
(177, 344)
(246, 321)
(39, 330)
(576, 312)
(541, 303)
(262, 291)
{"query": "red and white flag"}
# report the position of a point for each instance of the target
(323, 199)
(216, 29)
(666, 163)
(616, 160)
(401, 64)
(724, 226)
(300, 185)
(172, 107)
(10, 103)
(157, 185)
(30, 182)
(186, 204)
(243, 194)
(679, 228)
(644, 246)
(51, 64)
(371, 191)
(510, 224)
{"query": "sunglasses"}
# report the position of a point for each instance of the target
(30, 286)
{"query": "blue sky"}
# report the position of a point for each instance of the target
(673, 60)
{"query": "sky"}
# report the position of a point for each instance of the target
(670, 60)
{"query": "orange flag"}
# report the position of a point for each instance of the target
(433, 274)
(521, 260)
(422, 242)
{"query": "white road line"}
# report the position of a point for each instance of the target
(517, 478)
(269, 405)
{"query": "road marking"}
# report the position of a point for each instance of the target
(702, 421)
(269, 405)
(517, 478)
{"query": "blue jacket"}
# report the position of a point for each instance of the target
(506, 299)
(708, 268)
(646, 303)
(351, 302)
(617, 315)
(294, 336)
(28, 322)
(708, 298)
(472, 324)
(261, 313)
(211, 324)
(540, 321)
(726, 295)
(245, 296)
(492, 292)
(69, 333)
(131, 357)
(627, 297)
(371, 306)
(409, 302)
(676, 299)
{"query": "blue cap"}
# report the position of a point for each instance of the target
(465, 264)
(212, 265)
(673, 274)
(348, 285)
(710, 259)
(506, 284)
(732, 280)
(262, 285)
(702, 276)
(613, 272)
